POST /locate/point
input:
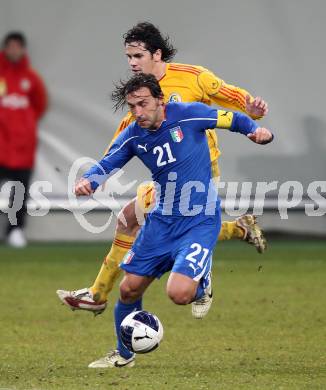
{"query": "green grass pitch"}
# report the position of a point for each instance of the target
(266, 329)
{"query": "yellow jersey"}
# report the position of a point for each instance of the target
(193, 83)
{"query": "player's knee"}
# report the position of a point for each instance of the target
(127, 221)
(180, 297)
(129, 293)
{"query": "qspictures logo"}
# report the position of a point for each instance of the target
(114, 190)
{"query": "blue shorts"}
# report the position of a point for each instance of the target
(180, 244)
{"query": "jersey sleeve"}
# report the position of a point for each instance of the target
(217, 91)
(118, 155)
(236, 122)
(204, 116)
(126, 121)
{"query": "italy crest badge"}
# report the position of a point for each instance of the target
(176, 134)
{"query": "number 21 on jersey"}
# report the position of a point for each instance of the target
(164, 155)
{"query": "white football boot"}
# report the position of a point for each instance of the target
(201, 307)
(81, 300)
(111, 360)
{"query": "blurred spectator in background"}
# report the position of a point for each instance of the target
(23, 101)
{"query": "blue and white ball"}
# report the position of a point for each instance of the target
(141, 331)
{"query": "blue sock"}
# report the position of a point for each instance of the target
(200, 290)
(121, 311)
(203, 281)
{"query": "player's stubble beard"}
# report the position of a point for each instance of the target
(155, 120)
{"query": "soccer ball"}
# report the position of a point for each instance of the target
(141, 332)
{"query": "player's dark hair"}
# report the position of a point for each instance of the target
(152, 38)
(136, 82)
(14, 36)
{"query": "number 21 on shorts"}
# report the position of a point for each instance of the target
(197, 257)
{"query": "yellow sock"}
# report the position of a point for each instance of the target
(230, 230)
(110, 270)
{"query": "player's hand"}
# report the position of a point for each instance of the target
(256, 108)
(261, 136)
(83, 187)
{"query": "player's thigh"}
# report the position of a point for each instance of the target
(133, 214)
(127, 219)
(146, 196)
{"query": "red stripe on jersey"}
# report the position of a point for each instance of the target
(185, 66)
(129, 120)
(185, 70)
(192, 69)
(123, 125)
(233, 95)
(229, 90)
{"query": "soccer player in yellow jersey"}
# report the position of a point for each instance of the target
(149, 52)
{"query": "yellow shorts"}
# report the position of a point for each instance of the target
(146, 191)
(146, 197)
(215, 169)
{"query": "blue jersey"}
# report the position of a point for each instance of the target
(177, 155)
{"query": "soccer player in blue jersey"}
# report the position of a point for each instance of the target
(148, 51)
(180, 233)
